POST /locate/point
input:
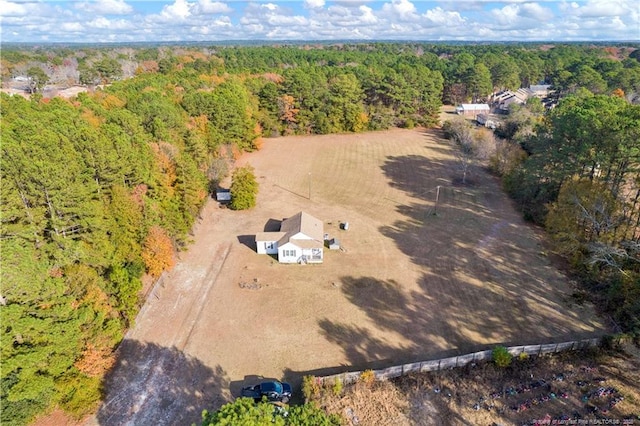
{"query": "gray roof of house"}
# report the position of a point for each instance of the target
(269, 236)
(304, 223)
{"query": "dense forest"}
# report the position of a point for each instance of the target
(103, 188)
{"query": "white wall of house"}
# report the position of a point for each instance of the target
(267, 247)
(313, 255)
(289, 253)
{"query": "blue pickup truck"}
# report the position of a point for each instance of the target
(273, 390)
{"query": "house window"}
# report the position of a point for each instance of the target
(289, 253)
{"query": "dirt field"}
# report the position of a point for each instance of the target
(414, 280)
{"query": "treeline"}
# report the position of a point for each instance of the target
(394, 83)
(96, 191)
(90, 200)
(576, 171)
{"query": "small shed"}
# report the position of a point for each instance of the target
(334, 244)
(472, 110)
(223, 196)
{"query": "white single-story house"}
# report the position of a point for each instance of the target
(300, 240)
(471, 110)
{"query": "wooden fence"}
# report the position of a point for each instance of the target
(459, 361)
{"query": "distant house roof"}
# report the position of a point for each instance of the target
(540, 88)
(502, 95)
(474, 107)
(523, 95)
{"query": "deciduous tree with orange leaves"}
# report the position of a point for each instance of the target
(158, 251)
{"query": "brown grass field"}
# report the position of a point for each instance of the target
(414, 281)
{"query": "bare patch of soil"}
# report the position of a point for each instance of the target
(57, 417)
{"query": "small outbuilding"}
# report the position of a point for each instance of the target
(472, 110)
(223, 196)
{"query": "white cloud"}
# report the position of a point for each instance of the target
(9, 8)
(441, 17)
(507, 15)
(95, 20)
(180, 9)
(367, 17)
(601, 8)
(213, 7)
(110, 24)
(29, 9)
(271, 21)
(286, 21)
(340, 17)
(106, 7)
(72, 27)
(402, 9)
(314, 4)
(535, 11)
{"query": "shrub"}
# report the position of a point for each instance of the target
(244, 188)
(501, 356)
(310, 387)
(311, 415)
(368, 377)
(523, 356)
(243, 411)
(409, 123)
(336, 388)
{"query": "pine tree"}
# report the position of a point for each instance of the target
(244, 188)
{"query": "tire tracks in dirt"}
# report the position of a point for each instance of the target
(210, 278)
(139, 393)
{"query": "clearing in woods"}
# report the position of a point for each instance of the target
(411, 283)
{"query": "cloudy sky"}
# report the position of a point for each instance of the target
(212, 20)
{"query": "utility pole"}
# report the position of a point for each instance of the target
(435, 209)
(309, 186)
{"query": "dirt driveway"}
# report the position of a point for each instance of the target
(414, 280)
